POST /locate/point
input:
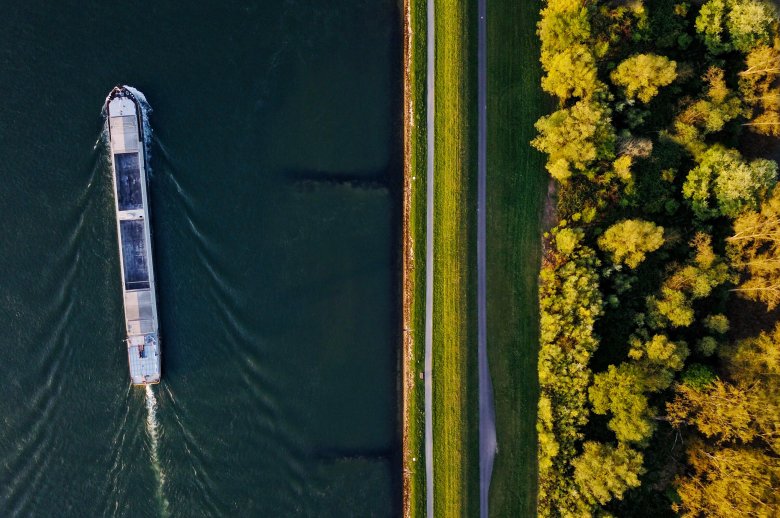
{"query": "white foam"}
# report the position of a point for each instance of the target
(146, 109)
(137, 93)
(152, 428)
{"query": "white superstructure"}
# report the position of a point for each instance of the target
(128, 162)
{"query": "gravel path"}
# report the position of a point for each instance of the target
(487, 412)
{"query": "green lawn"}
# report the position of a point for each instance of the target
(454, 345)
(516, 189)
(414, 261)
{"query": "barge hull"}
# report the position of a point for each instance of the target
(128, 162)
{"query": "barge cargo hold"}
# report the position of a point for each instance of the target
(125, 118)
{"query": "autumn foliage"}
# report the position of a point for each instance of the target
(665, 216)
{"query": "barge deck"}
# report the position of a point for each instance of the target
(128, 161)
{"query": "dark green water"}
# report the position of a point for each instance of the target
(275, 165)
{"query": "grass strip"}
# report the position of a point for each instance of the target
(454, 357)
(516, 187)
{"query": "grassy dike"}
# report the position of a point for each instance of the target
(455, 438)
(414, 205)
(516, 188)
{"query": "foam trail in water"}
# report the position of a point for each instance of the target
(152, 428)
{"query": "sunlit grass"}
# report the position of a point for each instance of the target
(454, 217)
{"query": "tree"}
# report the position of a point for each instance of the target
(742, 186)
(756, 359)
(672, 306)
(566, 343)
(721, 410)
(643, 74)
(628, 241)
(754, 249)
(707, 345)
(604, 472)
(749, 23)
(571, 72)
(717, 323)
(659, 351)
(739, 469)
(575, 137)
(757, 84)
(754, 366)
(567, 239)
(724, 184)
(620, 391)
(766, 123)
(698, 376)
(696, 279)
(563, 23)
(728, 482)
(709, 25)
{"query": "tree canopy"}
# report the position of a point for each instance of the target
(723, 183)
(575, 137)
(755, 250)
(630, 240)
(604, 472)
(642, 75)
(654, 153)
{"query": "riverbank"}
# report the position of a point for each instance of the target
(454, 406)
(515, 195)
(413, 409)
(516, 189)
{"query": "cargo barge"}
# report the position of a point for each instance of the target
(125, 121)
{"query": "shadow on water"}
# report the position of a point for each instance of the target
(308, 180)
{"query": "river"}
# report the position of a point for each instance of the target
(275, 175)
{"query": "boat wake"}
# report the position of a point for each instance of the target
(152, 428)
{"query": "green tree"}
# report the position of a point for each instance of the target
(642, 75)
(563, 23)
(749, 23)
(604, 472)
(630, 240)
(742, 186)
(707, 345)
(724, 25)
(698, 376)
(717, 323)
(696, 279)
(620, 391)
(659, 351)
(571, 72)
(575, 137)
(710, 25)
(723, 183)
(566, 344)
